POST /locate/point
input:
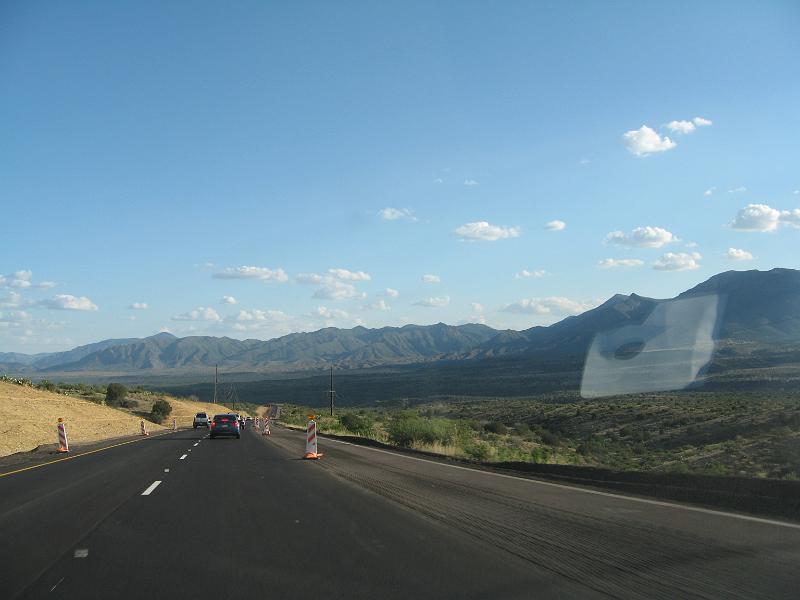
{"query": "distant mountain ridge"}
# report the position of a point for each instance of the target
(758, 307)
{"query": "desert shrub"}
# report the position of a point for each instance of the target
(408, 430)
(495, 427)
(550, 438)
(477, 450)
(47, 385)
(361, 425)
(115, 394)
(129, 403)
(161, 409)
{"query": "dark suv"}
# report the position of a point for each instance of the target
(225, 425)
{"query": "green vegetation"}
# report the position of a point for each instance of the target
(116, 394)
(748, 434)
(160, 411)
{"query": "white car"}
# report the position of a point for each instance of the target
(201, 419)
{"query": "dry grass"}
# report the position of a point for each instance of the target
(28, 418)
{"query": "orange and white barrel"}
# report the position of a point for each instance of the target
(174, 424)
(144, 428)
(63, 443)
(265, 430)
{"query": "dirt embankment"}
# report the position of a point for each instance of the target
(28, 418)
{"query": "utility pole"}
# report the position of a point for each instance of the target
(216, 373)
(331, 391)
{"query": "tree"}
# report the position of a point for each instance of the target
(115, 394)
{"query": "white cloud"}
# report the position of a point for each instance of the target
(428, 278)
(644, 141)
(45, 285)
(701, 122)
(470, 182)
(678, 261)
(642, 237)
(738, 254)
(738, 190)
(198, 314)
(260, 315)
(438, 180)
(757, 217)
(709, 191)
(434, 302)
(13, 300)
(346, 275)
(476, 307)
(393, 214)
(379, 304)
(311, 278)
(229, 300)
(245, 272)
(139, 306)
(524, 274)
(69, 302)
(483, 231)
(552, 305)
(333, 289)
(20, 279)
(330, 313)
(681, 126)
(555, 225)
(392, 293)
(610, 263)
(791, 218)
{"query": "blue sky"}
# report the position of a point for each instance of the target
(315, 161)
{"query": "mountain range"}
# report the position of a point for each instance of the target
(758, 309)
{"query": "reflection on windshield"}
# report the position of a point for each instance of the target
(665, 352)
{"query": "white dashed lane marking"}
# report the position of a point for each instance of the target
(150, 489)
(182, 457)
(81, 552)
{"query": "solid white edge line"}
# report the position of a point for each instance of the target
(150, 489)
(708, 511)
(182, 457)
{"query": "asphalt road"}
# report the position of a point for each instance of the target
(248, 519)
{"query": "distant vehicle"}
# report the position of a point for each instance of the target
(201, 420)
(225, 425)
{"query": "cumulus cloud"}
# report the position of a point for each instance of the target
(379, 304)
(434, 302)
(610, 263)
(552, 305)
(791, 218)
(738, 254)
(392, 293)
(757, 217)
(13, 300)
(678, 261)
(642, 237)
(260, 315)
(139, 306)
(483, 231)
(199, 314)
(69, 302)
(245, 272)
(710, 191)
(429, 278)
(470, 182)
(738, 190)
(477, 307)
(701, 122)
(645, 141)
(394, 214)
(228, 300)
(346, 275)
(524, 274)
(680, 126)
(333, 289)
(555, 225)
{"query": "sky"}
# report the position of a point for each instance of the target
(252, 169)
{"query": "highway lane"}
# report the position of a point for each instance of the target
(247, 518)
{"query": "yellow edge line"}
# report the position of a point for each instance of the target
(79, 455)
